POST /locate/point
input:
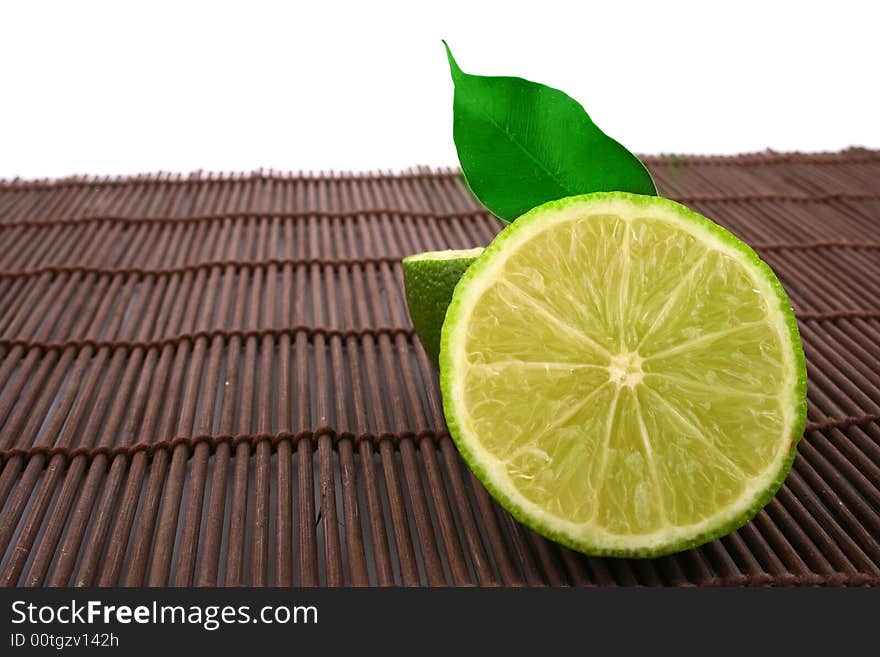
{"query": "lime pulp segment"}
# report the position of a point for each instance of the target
(444, 255)
(625, 376)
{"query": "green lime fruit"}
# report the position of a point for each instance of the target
(625, 376)
(429, 279)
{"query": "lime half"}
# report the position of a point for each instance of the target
(429, 279)
(625, 376)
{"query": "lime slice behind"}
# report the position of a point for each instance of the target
(625, 376)
(429, 279)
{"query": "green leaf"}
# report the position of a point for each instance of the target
(521, 144)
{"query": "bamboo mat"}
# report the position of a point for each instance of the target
(212, 380)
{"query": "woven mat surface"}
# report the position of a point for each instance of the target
(212, 380)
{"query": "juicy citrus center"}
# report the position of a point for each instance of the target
(626, 369)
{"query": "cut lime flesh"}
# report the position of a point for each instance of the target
(625, 376)
(429, 280)
(445, 255)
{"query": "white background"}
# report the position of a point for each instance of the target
(122, 87)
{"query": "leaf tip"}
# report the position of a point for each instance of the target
(453, 65)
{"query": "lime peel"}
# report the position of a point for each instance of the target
(429, 280)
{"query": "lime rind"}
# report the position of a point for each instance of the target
(429, 280)
(528, 513)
